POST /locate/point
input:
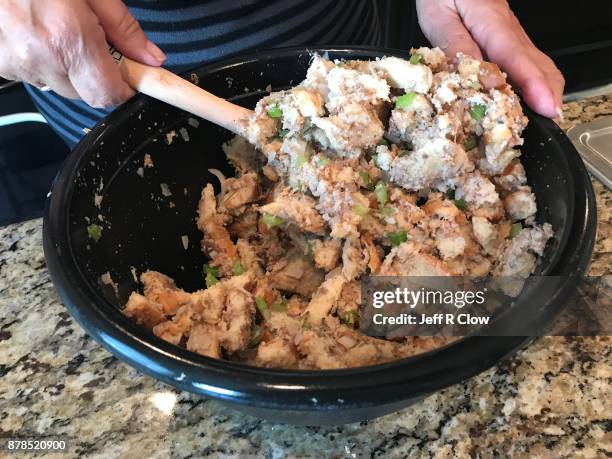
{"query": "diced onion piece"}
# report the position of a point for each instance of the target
(346, 341)
(165, 189)
(217, 173)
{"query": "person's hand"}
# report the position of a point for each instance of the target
(489, 28)
(62, 44)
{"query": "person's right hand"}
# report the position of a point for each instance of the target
(489, 28)
(62, 44)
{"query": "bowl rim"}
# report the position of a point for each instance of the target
(302, 389)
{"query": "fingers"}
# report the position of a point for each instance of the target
(124, 32)
(444, 28)
(502, 39)
(59, 83)
(96, 76)
(555, 79)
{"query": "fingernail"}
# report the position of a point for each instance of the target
(154, 51)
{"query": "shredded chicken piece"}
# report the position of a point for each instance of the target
(278, 352)
(298, 209)
(203, 339)
(162, 290)
(354, 258)
(144, 311)
(325, 297)
(216, 243)
(327, 253)
(408, 260)
(295, 273)
(239, 192)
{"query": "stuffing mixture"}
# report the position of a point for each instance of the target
(389, 167)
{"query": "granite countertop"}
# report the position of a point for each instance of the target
(551, 399)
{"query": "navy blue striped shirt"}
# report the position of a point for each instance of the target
(193, 32)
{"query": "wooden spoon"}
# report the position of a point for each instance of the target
(163, 85)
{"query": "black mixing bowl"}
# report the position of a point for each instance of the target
(143, 229)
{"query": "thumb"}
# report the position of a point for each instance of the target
(124, 32)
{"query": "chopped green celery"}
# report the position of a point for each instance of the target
(211, 275)
(475, 85)
(450, 194)
(272, 220)
(274, 111)
(380, 190)
(415, 59)
(283, 132)
(300, 160)
(262, 307)
(360, 209)
(470, 143)
(237, 268)
(94, 232)
(398, 237)
(349, 318)
(367, 181)
(280, 305)
(322, 161)
(256, 336)
(384, 141)
(206, 269)
(387, 211)
(405, 100)
(515, 229)
(460, 204)
(210, 280)
(477, 111)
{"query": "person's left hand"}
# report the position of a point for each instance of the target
(489, 28)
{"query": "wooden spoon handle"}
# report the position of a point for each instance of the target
(163, 85)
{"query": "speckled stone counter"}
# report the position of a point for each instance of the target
(552, 399)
